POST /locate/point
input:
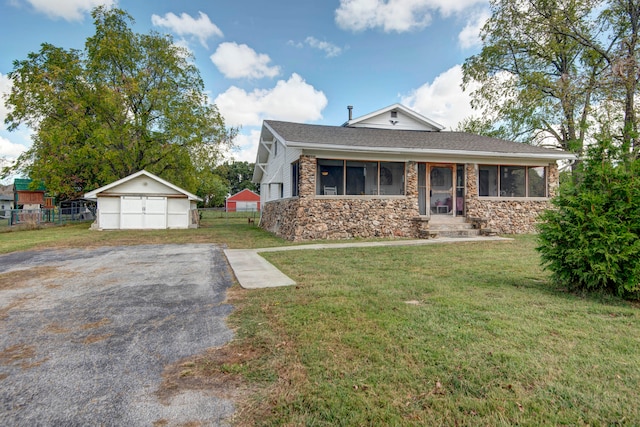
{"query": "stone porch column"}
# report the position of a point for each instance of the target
(307, 176)
(412, 181)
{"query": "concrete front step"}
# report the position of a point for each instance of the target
(451, 227)
(454, 233)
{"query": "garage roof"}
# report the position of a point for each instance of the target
(94, 194)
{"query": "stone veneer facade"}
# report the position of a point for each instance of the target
(311, 217)
(507, 216)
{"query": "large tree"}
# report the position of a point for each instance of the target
(124, 103)
(618, 45)
(563, 69)
(537, 80)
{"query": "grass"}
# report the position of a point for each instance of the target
(232, 231)
(463, 334)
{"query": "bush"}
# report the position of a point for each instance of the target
(590, 239)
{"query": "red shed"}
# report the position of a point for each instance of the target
(243, 201)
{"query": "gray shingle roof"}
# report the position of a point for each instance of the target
(403, 139)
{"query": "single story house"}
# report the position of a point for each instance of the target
(393, 173)
(243, 201)
(143, 201)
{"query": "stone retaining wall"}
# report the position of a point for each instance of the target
(310, 219)
(508, 216)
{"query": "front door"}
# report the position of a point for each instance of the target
(442, 189)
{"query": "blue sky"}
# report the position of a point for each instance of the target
(295, 60)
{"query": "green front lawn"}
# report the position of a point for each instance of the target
(459, 334)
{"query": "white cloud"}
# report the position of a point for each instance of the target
(293, 100)
(70, 10)
(10, 150)
(247, 147)
(329, 49)
(469, 37)
(185, 25)
(237, 61)
(395, 15)
(442, 100)
(5, 89)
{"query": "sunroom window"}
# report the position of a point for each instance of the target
(359, 178)
(330, 177)
(537, 182)
(512, 181)
(295, 179)
(362, 178)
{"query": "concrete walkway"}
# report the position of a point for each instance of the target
(254, 272)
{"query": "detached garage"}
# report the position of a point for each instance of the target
(144, 201)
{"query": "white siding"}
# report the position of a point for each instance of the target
(109, 213)
(143, 185)
(278, 173)
(403, 122)
(291, 156)
(143, 201)
(264, 196)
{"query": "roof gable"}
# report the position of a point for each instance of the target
(245, 195)
(397, 117)
(142, 179)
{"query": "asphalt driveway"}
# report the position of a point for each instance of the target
(85, 334)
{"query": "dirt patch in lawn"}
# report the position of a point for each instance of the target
(20, 355)
(97, 324)
(16, 354)
(23, 278)
(4, 311)
(96, 338)
(214, 371)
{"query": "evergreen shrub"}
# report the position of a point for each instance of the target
(589, 240)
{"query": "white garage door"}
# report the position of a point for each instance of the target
(246, 206)
(143, 212)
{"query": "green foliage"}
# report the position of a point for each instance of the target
(212, 189)
(553, 69)
(533, 73)
(124, 103)
(239, 175)
(590, 241)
